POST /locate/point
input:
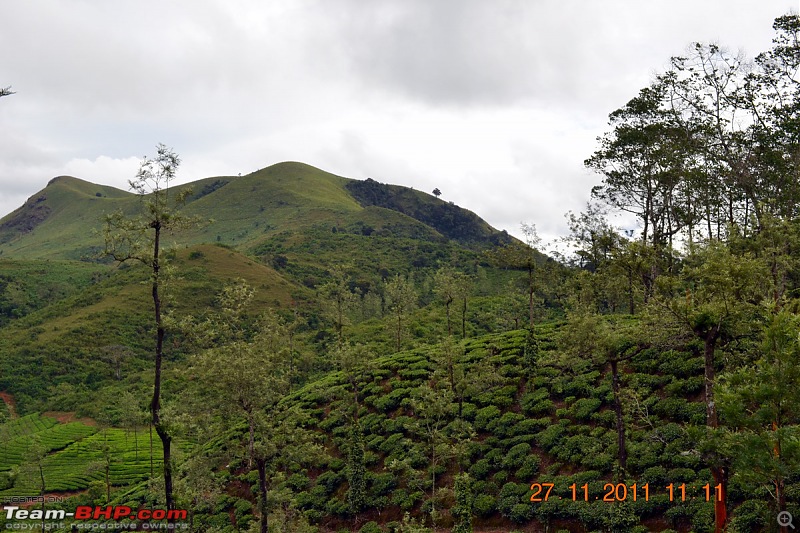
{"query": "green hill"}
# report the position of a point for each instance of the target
(77, 335)
(62, 220)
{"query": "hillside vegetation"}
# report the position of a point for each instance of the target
(332, 355)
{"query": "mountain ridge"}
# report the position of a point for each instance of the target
(62, 220)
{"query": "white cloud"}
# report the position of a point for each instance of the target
(104, 169)
(497, 104)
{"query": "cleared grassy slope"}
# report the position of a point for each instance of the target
(63, 220)
(68, 341)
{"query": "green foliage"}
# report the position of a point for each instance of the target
(516, 455)
(512, 503)
(529, 468)
(487, 418)
(370, 527)
(464, 501)
(356, 472)
(751, 516)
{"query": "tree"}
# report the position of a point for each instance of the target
(139, 238)
(464, 496)
(244, 381)
(463, 379)
(715, 300)
(639, 160)
(594, 341)
(356, 473)
(352, 361)
(450, 286)
(115, 355)
(401, 299)
(433, 409)
(338, 301)
(522, 256)
(761, 406)
(436, 192)
(34, 457)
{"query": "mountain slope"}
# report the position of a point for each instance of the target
(63, 220)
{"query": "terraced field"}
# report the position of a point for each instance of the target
(71, 455)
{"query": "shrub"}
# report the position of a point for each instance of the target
(336, 507)
(516, 455)
(391, 400)
(375, 442)
(405, 500)
(681, 475)
(529, 469)
(370, 527)
(511, 500)
(393, 443)
(521, 513)
(655, 475)
(673, 408)
(536, 402)
(329, 480)
(381, 484)
(495, 457)
(487, 418)
(583, 408)
(480, 469)
(469, 411)
(530, 426)
(507, 424)
(752, 515)
(678, 365)
(297, 482)
(550, 437)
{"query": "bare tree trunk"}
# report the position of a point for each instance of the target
(155, 404)
(719, 473)
(447, 312)
(530, 294)
(262, 497)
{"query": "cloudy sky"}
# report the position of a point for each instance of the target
(495, 102)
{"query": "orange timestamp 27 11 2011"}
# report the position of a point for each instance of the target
(619, 492)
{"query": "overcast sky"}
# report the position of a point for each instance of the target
(497, 103)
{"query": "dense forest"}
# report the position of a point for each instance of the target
(371, 358)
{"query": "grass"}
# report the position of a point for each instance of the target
(62, 221)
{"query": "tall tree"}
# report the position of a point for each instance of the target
(716, 300)
(139, 238)
(761, 405)
(244, 381)
(639, 162)
(338, 301)
(450, 286)
(595, 342)
(401, 299)
(522, 256)
(432, 406)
